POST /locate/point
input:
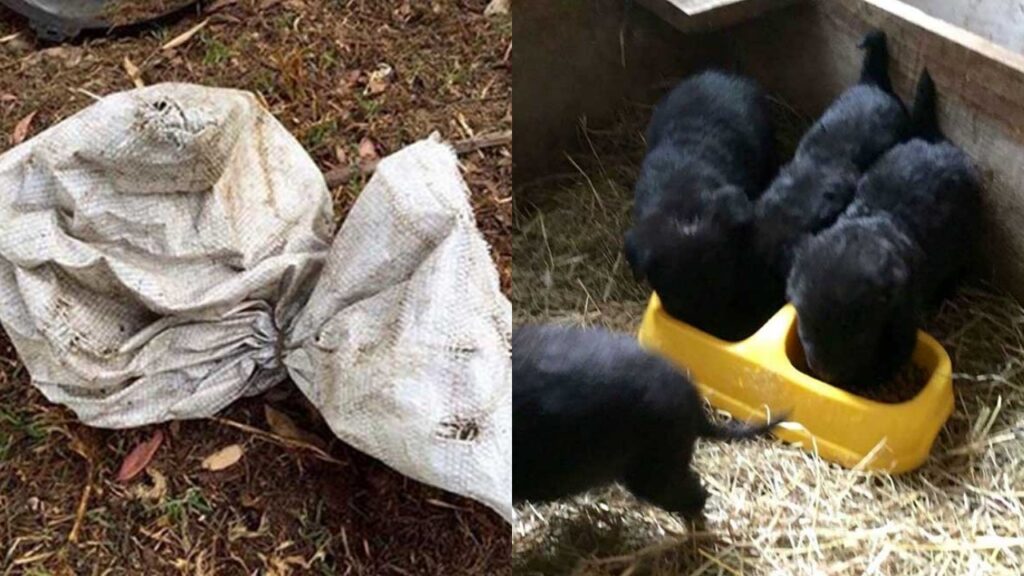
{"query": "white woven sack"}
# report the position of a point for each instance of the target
(167, 251)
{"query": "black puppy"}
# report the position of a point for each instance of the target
(814, 189)
(710, 153)
(591, 407)
(861, 287)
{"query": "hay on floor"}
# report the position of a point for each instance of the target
(774, 508)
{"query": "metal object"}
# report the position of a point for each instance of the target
(59, 20)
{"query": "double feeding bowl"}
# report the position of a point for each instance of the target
(757, 377)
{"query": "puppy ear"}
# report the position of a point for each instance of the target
(638, 256)
(732, 208)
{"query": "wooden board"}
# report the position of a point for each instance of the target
(695, 7)
(1001, 21)
(708, 15)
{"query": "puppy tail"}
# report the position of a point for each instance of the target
(924, 118)
(875, 70)
(733, 430)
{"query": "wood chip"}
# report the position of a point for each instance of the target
(461, 119)
(498, 7)
(133, 72)
(184, 37)
(224, 458)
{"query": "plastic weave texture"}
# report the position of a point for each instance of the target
(169, 250)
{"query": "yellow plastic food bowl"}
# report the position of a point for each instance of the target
(751, 378)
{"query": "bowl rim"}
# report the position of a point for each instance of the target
(771, 338)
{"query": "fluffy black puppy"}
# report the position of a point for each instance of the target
(861, 287)
(591, 407)
(710, 153)
(814, 189)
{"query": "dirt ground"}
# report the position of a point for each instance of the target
(280, 510)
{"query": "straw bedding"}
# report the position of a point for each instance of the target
(774, 508)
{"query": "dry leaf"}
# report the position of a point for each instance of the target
(352, 77)
(133, 72)
(140, 456)
(21, 130)
(185, 36)
(368, 151)
(10, 38)
(282, 425)
(340, 155)
(379, 79)
(223, 458)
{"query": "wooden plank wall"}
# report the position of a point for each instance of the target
(808, 54)
(1001, 21)
(804, 53)
(575, 59)
(709, 15)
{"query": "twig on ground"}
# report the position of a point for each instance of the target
(83, 505)
(185, 36)
(87, 451)
(287, 442)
